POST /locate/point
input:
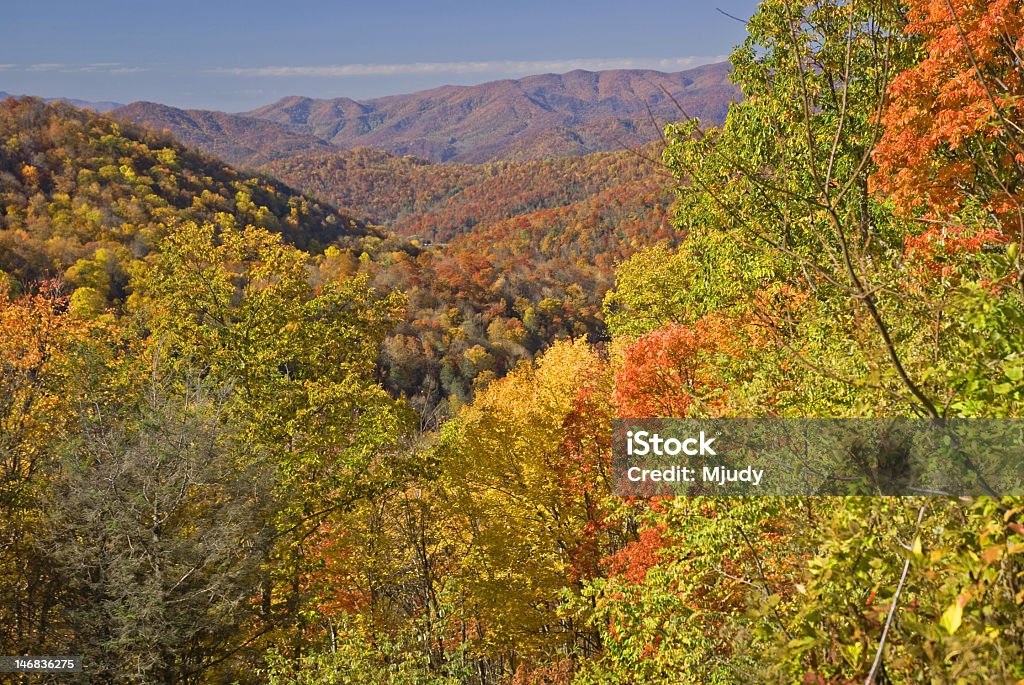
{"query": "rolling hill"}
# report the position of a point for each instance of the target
(437, 202)
(520, 254)
(509, 257)
(73, 182)
(497, 258)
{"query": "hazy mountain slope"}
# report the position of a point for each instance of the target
(527, 255)
(239, 140)
(101, 107)
(527, 118)
(523, 253)
(514, 254)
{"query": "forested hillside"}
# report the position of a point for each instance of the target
(73, 182)
(86, 201)
(245, 438)
(437, 202)
(502, 289)
(512, 255)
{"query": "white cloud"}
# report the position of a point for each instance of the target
(483, 67)
(94, 68)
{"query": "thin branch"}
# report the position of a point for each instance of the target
(892, 609)
(731, 16)
(847, 69)
(764, 580)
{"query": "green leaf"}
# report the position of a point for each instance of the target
(952, 617)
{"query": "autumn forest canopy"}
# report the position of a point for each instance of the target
(344, 415)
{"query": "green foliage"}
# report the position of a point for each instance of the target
(155, 530)
(679, 599)
(357, 657)
(238, 303)
(959, 618)
(707, 273)
(848, 310)
(784, 180)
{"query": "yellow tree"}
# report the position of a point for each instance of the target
(524, 469)
(237, 305)
(38, 361)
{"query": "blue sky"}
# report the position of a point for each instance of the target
(235, 55)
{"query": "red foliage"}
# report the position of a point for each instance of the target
(559, 672)
(667, 372)
(634, 560)
(333, 590)
(582, 465)
(934, 250)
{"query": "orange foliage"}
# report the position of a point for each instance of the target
(559, 672)
(37, 334)
(585, 458)
(31, 325)
(953, 127)
(638, 557)
(670, 372)
(934, 249)
(329, 584)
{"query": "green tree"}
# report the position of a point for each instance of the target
(862, 317)
(786, 180)
(156, 522)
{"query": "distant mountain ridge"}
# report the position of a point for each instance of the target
(562, 114)
(440, 201)
(536, 117)
(237, 139)
(101, 107)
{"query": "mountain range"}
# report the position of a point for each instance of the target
(536, 117)
(494, 261)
